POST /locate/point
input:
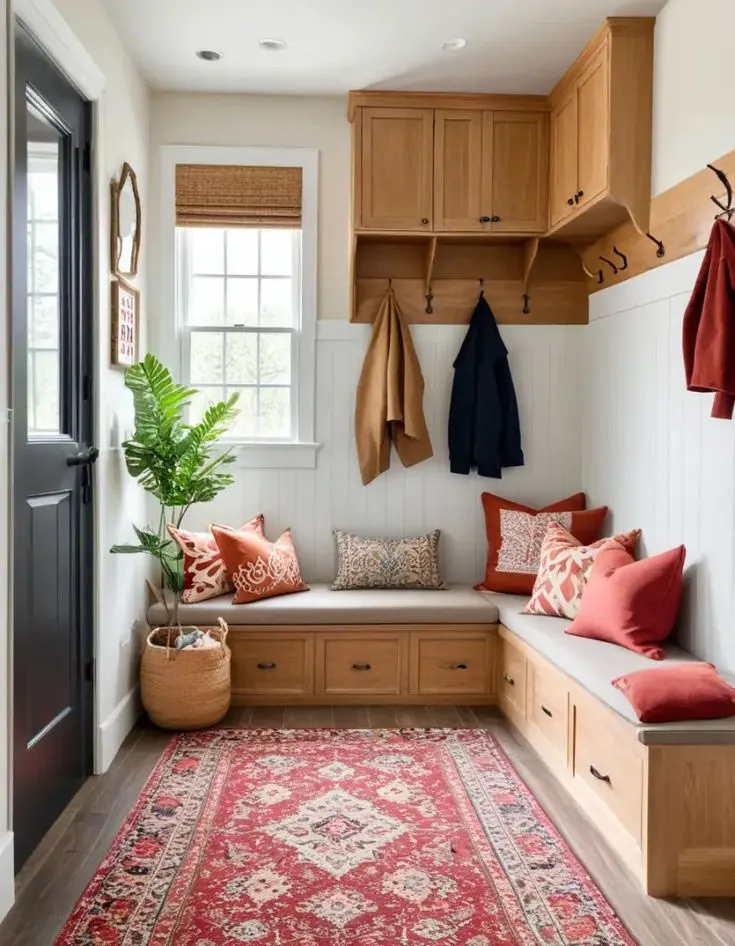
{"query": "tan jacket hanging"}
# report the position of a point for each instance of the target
(390, 397)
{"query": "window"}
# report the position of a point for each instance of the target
(242, 284)
(239, 301)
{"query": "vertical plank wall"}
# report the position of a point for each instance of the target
(654, 454)
(546, 368)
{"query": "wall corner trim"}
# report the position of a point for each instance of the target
(111, 733)
(7, 873)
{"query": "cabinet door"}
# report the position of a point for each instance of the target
(397, 168)
(593, 123)
(563, 159)
(459, 151)
(519, 172)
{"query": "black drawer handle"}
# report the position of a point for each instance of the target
(547, 710)
(509, 680)
(361, 667)
(599, 776)
(458, 666)
(267, 665)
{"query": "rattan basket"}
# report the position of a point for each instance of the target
(185, 689)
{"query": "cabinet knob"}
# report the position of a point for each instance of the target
(266, 665)
(580, 194)
(485, 219)
(495, 219)
(424, 220)
(361, 666)
(509, 680)
(571, 201)
(458, 666)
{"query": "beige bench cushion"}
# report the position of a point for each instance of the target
(593, 664)
(458, 604)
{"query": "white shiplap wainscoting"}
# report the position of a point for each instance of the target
(547, 365)
(653, 453)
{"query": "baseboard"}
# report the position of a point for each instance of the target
(7, 873)
(112, 732)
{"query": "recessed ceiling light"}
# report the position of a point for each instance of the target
(272, 44)
(452, 44)
(208, 55)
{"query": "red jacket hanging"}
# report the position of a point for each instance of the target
(709, 324)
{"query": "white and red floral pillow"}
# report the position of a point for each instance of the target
(259, 568)
(205, 574)
(564, 566)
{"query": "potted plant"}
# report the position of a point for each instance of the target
(180, 464)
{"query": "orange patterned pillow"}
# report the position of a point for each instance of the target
(259, 568)
(205, 575)
(564, 567)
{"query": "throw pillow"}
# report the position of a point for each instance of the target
(387, 563)
(259, 568)
(633, 604)
(564, 566)
(515, 534)
(678, 693)
(205, 575)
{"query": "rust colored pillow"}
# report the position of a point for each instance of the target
(259, 568)
(678, 693)
(633, 604)
(515, 534)
(205, 575)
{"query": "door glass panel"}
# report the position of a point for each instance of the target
(44, 297)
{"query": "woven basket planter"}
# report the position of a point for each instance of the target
(185, 689)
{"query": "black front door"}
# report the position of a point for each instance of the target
(52, 425)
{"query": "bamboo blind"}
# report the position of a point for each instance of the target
(223, 195)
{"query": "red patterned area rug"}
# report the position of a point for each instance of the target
(330, 838)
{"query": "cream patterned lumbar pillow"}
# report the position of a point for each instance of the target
(387, 563)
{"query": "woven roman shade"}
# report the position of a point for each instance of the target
(223, 195)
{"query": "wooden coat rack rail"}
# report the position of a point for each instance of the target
(437, 279)
(681, 222)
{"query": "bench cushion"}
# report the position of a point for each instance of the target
(458, 604)
(594, 664)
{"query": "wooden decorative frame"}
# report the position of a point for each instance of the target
(125, 324)
(125, 216)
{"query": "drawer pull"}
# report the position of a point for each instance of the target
(267, 665)
(458, 666)
(509, 680)
(361, 667)
(546, 710)
(599, 776)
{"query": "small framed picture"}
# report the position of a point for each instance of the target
(125, 320)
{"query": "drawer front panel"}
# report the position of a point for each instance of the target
(547, 706)
(512, 686)
(272, 665)
(356, 665)
(607, 763)
(453, 665)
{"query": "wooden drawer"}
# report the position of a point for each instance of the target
(275, 665)
(360, 664)
(547, 708)
(459, 664)
(512, 683)
(607, 761)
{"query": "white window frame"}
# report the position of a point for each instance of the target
(300, 452)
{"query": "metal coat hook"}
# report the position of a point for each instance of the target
(526, 303)
(429, 299)
(610, 264)
(623, 257)
(661, 251)
(728, 210)
(599, 277)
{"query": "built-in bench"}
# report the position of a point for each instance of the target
(663, 795)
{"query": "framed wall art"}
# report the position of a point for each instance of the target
(125, 324)
(125, 224)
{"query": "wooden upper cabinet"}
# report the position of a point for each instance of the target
(601, 124)
(519, 180)
(396, 169)
(462, 169)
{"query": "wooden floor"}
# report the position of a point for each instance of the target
(58, 872)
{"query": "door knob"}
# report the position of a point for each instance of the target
(84, 457)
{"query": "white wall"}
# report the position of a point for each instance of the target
(119, 582)
(694, 108)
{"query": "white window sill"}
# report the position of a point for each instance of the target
(289, 455)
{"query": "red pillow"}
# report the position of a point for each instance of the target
(205, 575)
(678, 693)
(633, 604)
(259, 568)
(515, 534)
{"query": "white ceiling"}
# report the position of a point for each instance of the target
(337, 45)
